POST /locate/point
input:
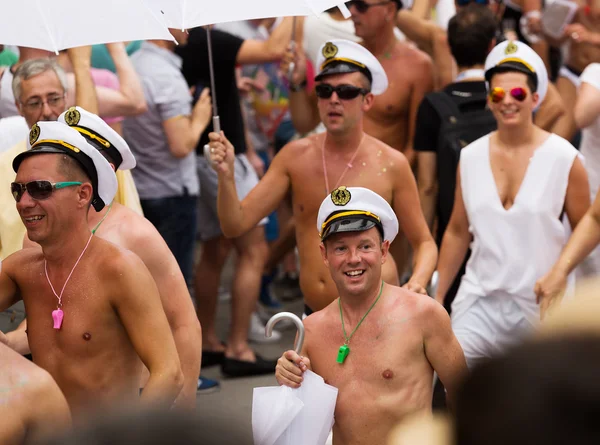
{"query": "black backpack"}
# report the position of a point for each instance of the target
(458, 129)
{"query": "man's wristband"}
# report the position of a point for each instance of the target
(295, 88)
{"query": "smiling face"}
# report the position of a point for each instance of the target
(510, 111)
(339, 115)
(45, 219)
(354, 260)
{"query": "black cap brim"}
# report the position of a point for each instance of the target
(343, 68)
(358, 223)
(511, 66)
(37, 151)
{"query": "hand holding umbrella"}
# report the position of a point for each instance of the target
(302, 414)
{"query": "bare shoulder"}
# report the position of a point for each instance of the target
(388, 153)
(22, 261)
(137, 232)
(417, 58)
(115, 262)
(298, 147)
(317, 320)
(421, 307)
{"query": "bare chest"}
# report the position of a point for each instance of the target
(370, 168)
(379, 353)
(394, 103)
(384, 377)
(89, 322)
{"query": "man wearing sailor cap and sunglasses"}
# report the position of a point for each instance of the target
(513, 187)
(93, 309)
(387, 338)
(127, 229)
(311, 168)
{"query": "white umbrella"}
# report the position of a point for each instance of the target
(54, 25)
(286, 416)
(185, 14)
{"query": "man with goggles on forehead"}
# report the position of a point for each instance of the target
(93, 308)
(127, 229)
(311, 168)
(513, 187)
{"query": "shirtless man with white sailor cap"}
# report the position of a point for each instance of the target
(93, 308)
(127, 229)
(377, 343)
(312, 167)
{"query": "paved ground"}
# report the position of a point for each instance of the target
(234, 399)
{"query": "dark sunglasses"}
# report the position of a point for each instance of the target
(498, 94)
(38, 190)
(362, 6)
(344, 92)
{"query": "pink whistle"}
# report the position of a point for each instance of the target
(57, 316)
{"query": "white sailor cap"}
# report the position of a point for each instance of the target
(343, 56)
(99, 134)
(56, 137)
(517, 56)
(355, 209)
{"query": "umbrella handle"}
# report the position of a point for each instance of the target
(289, 316)
(216, 124)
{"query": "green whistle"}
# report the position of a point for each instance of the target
(343, 353)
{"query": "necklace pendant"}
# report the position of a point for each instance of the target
(57, 316)
(343, 353)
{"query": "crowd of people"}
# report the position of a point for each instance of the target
(425, 181)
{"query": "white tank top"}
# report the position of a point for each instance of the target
(7, 98)
(512, 249)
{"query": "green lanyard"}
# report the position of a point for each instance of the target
(345, 349)
(102, 220)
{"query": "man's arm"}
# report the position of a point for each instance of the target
(455, 243)
(17, 340)
(9, 292)
(442, 349)
(137, 302)
(177, 305)
(129, 99)
(428, 185)
(238, 217)
(83, 89)
(270, 50)
(416, 29)
(49, 410)
(412, 223)
(183, 132)
(549, 289)
(423, 84)
(587, 107)
(550, 110)
(302, 103)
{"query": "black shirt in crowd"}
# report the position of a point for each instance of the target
(427, 133)
(196, 72)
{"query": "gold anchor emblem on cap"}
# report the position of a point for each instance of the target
(34, 134)
(511, 48)
(329, 50)
(72, 116)
(341, 196)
